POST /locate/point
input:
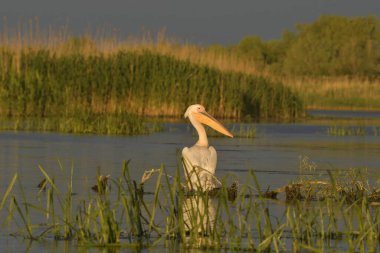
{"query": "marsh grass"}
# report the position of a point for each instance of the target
(44, 84)
(125, 215)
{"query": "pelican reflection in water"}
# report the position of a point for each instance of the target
(200, 159)
(199, 213)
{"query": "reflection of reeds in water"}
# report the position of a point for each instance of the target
(125, 216)
(199, 214)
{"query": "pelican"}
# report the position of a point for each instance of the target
(200, 160)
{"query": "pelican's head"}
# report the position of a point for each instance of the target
(198, 113)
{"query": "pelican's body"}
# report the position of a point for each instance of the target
(200, 165)
(200, 159)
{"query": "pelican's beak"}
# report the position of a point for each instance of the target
(205, 118)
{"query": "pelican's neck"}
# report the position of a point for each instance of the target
(203, 142)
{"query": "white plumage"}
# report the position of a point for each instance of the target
(200, 160)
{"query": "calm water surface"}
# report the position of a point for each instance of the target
(274, 154)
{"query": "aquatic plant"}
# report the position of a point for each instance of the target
(128, 215)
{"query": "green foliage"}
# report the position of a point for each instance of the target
(255, 49)
(330, 46)
(335, 46)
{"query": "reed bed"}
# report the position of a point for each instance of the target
(126, 214)
(42, 83)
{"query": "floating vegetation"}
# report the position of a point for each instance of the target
(353, 131)
(126, 215)
(341, 185)
(349, 191)
(346, 131)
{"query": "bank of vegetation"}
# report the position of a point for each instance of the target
(41, 83)
(78, 80)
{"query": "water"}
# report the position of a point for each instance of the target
(274, 155)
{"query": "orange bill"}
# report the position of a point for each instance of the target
(205, 118)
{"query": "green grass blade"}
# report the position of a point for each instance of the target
(8, 191)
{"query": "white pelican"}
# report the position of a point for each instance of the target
(200, 159)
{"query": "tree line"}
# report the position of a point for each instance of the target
(330, 46)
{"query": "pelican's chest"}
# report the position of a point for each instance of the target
(204, 157)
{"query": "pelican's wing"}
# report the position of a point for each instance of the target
(187, 161)
(190, 164)
(210, 164)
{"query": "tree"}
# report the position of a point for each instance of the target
(254, 49)
(335, 46)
